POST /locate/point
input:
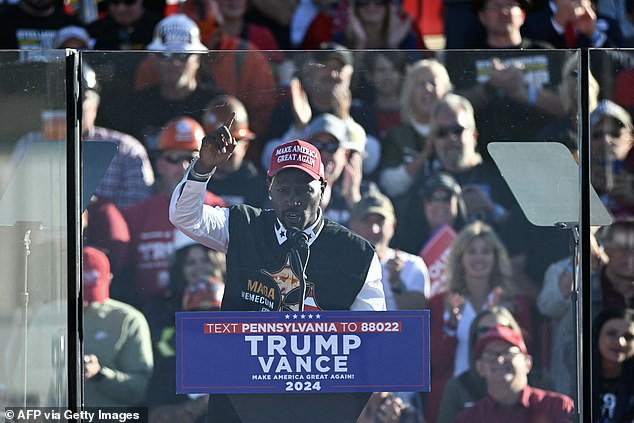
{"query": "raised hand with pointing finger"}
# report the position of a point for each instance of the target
(216, 148)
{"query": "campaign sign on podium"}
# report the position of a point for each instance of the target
(302, 352)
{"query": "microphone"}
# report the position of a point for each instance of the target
(298, 238)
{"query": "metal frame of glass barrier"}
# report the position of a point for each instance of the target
(74, 188)
(38, 187)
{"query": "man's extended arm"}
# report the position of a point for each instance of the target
(205, 224)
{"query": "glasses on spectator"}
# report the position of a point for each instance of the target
(496, 7)
(506, 355)
(174, 158)
(126, 2)
(328, 147)
(443, 131)
(181, 57)
(375, 2)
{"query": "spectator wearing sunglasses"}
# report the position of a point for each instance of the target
(342, 166)
(435, 215)
(180, 90)
(151, 233)
(323, 85)
(230, 64)
(455, 141)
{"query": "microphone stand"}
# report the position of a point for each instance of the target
(300, 242)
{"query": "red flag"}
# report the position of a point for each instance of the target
(435, 254)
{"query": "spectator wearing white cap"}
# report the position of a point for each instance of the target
(180, 90)
(73, 36)
(246, 74)
(32, 25)
(612, 157)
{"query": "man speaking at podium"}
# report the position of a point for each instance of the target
(289, 258)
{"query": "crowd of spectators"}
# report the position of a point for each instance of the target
(403, 132)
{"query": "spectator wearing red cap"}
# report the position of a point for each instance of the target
(151, 233)
(259, 242)
(118, 359)
(502, 360)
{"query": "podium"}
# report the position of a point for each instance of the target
(305, 408)
(312, 366)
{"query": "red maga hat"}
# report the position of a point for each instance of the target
(297, 154)
(96, 275)
(503, 333)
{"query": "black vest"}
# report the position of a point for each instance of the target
(259, 275)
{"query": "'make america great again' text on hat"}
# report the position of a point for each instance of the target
(297, 154)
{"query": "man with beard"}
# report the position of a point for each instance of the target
(455, 140)
(486, 195)
(323, 86)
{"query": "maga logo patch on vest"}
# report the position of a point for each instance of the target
(278, 290)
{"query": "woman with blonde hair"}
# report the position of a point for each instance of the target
(478, 276)
(407, 148)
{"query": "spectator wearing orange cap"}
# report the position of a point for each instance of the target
(118, 359)
(151, 233)
(238, 180)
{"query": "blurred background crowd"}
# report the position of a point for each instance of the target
(402, 115)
